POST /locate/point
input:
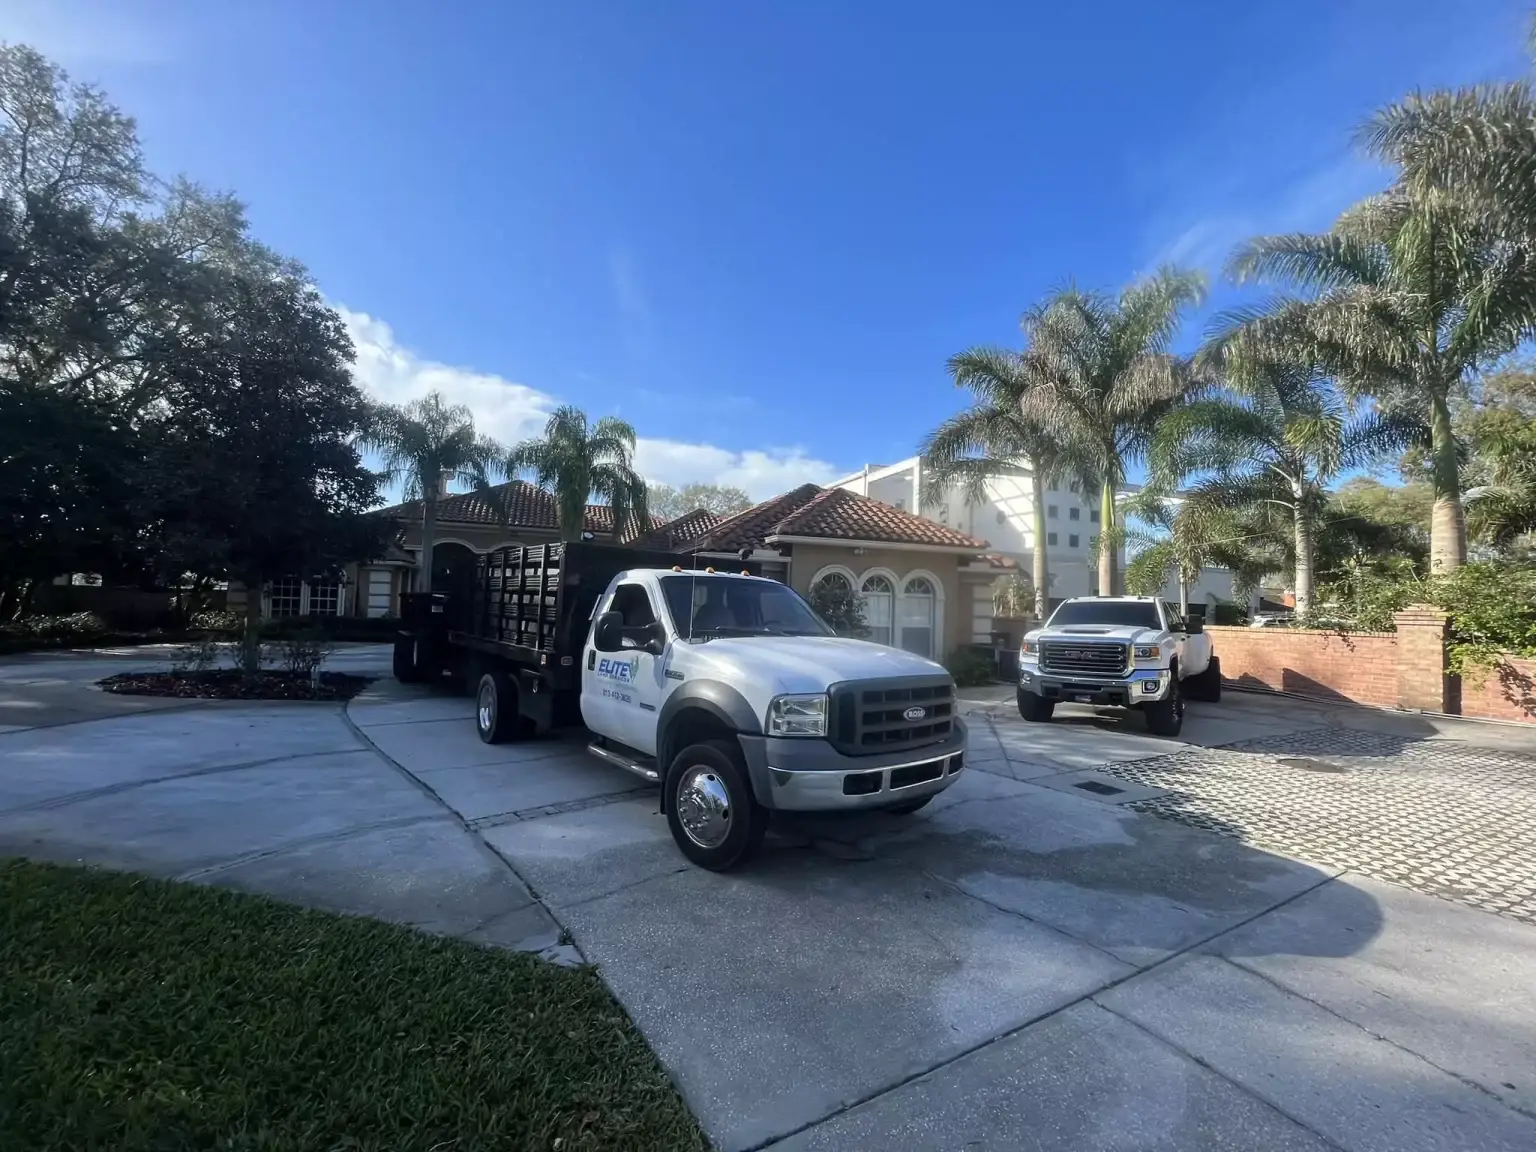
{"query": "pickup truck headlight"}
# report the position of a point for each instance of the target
(1029, 648)
(798, 715)
(1148, 651)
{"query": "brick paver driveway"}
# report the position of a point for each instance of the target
(1437, 816)
(1447, 810)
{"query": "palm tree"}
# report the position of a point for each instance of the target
(1187, 536)
(1475, 146)
(1100, 374)
(576, 462)
(1403, 300)
(1275, 442)
(992, 438)
(425, 445)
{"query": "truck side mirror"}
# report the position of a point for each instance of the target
(608, 632)
(1194, 626)
(656, 642)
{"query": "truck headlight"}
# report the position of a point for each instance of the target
(1029, 648)
(1148, 651)
(798, 715)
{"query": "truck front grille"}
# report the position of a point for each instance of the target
(1083, 658)
(870, 716)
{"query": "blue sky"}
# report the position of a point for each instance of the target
(755, 228)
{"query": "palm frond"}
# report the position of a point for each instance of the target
(1315, 263)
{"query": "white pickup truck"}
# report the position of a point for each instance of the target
(725, 689)
(1125, 651)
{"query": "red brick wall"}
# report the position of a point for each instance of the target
(1361, 668)
(1507, 693)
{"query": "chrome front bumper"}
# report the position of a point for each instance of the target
(1123, 691)
(812, 776)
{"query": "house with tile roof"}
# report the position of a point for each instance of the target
(469, 524)
(918, 579)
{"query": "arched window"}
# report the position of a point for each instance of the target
(879, 595)
(833, 578)
(917, 616)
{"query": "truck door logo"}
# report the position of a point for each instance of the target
(621, 670)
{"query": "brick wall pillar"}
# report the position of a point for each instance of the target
(1423, 683)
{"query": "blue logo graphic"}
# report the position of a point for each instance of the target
(620, 670)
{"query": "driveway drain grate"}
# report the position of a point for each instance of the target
(1309, 765)
(1098, 789)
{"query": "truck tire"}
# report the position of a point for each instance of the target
(1165, 717)
(496, 716)
(1207, 685)
(909, 807)
(406, 670)
(714, 818)
(1035, 708)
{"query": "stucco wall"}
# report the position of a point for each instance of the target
(808, 559)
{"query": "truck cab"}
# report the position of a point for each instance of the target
(1120, 651)
(731, 693)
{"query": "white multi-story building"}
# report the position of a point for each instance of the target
(1005, 520)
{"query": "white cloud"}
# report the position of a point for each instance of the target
(502, 409)
(760, 472)
(511, 412)
(1307, 204)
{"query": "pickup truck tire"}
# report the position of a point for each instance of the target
(496, 716)
(1165, 717)
(1035, 708)
(713, 816)
(405, 667)
(1207, 685)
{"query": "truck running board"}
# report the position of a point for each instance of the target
(644, 771)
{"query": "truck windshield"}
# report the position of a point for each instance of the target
(733, 606)
(1110, 613)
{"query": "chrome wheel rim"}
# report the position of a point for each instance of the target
(704, 807)
(486, 707)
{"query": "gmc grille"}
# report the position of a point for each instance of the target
(870, 716)
(1083, 658)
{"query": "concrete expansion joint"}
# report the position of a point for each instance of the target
(307, 842)
(191, 773)
(1217, 1072)
(1087, 997)
(458, 819)
(1378, 1037)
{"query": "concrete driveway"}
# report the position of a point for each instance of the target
(1025, 964)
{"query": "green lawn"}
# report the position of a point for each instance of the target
(139, 1014)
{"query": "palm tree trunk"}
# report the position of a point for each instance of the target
(1040, 570)
(572, 514)
(1448, 520)
(1107, 555)
(428, 541)
(1303, 579)
(1183, 593)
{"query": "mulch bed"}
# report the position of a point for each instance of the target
(229, 684)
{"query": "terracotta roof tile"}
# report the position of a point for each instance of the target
(832, 514)
(515, 504)
(676, 533)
